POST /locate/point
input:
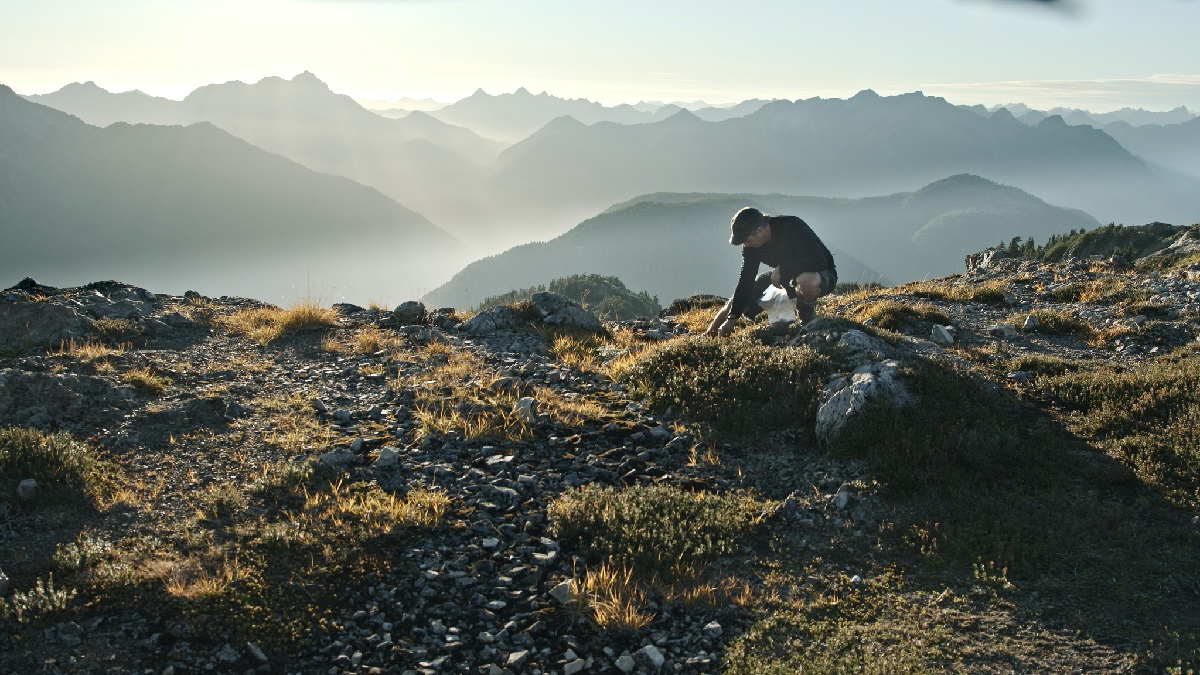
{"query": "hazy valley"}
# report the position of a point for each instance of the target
(494, 194)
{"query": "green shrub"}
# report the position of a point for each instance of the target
(1105, 241)
(736, 384)
(960, 436)
(606, 297)
(890, 314)
(1147, 418)
(653, 529)
(66, 470)
(37, 603)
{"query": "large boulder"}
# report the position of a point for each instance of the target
(559, 310)
(493, 319)
(114, 300)
(702, 301)
(977, 262)
(410, 313)
(844, 398)
(27, 323)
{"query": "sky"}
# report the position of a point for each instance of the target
(1098, 54)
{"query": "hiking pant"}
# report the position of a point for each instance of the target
(762, 281)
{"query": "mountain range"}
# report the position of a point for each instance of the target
(673, 245)
(161, 204)
(568, 170)
(512, 117)
(860, 146)
(1074, 116)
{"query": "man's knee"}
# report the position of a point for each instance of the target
(808, 286)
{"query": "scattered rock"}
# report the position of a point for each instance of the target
(844, 398)
(388, 456)
(340, 457)
(256, 653)
(493, 319)
(573, 667)
(410, 313)
(1003, 330)
(1030, 325)
(842, 499)
(650, 656)
(226, 654)
(713, 629)
(559, 310)
(564, 592)
(526, 410)
(517, 659)
(862, 348)
(27, 489)
(625, 663)
(942, 335)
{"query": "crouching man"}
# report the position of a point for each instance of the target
(801, 264)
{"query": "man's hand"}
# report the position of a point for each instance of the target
(776, 279)
(721, 325)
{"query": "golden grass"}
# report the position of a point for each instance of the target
(696, 320)
(990, 291)
(892, 314)
(576, 351)
(569, 411)
(88, 350)
(497, 422)
(365, 340)
(265, 324)
(191, 579)
(611, 597)
(371, 512)
(146, 381)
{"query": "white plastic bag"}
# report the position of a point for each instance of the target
(780, 308)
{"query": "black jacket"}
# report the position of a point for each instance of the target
(794, 248)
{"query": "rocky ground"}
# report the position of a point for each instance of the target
(184, 402)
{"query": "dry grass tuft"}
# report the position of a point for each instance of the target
(367, 511)
(611, 597)
(697, 320)
(146, 381)
(88, 350)
(192, 579)
(265, 324)
(365, 340)
(991, 291)
(891, 314)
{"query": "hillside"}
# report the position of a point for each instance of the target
(418, 161)
(864, 145)
(164, 204)
(675, 245)
(1174, 146)
(309, 490)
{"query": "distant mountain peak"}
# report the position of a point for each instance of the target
(308, 79)
(522, 91)
(1053, 121)
(865, 95)
(683, 116)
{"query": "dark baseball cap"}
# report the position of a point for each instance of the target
(744, 223)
